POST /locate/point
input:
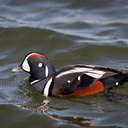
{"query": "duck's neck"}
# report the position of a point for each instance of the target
(45, 86)
(47, 72)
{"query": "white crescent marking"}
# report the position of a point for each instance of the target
(47, 86)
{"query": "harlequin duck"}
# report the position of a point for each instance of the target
(72, 80)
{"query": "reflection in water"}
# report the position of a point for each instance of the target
(41, 108)
(68, 32)
(81, 112)
(44, 106)
(78, 112)
(86, 123)
(47, 106)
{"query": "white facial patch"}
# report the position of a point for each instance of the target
(40, 65)
(25, 64)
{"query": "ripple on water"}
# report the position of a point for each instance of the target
(68, 32)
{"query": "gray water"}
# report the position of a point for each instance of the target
(67, 32)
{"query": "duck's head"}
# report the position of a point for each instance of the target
(37, 65)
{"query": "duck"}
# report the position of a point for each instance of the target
(75, 80)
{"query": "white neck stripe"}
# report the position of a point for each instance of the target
(46, 71)
(33, 82)
(47, 86)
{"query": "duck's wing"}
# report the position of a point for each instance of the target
(96, 72)
(81, 79)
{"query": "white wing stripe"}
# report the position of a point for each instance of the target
(97, 72)
(75, 70)
(88, 71)
(94, 75)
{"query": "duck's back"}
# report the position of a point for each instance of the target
(83, 80)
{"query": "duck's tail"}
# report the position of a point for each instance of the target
(116, 80)
(119, 80)
(123, 78)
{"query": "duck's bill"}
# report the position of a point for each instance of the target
(17, 69)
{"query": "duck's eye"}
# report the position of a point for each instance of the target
(40, 65)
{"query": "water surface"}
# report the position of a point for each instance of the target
(68, 32)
